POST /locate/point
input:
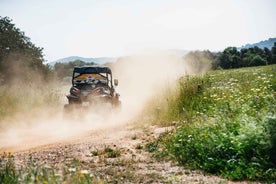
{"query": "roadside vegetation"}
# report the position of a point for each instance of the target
(109, 168)
(25, 81)
(225, 122)
(74, 172)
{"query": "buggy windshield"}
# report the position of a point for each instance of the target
(91, 74)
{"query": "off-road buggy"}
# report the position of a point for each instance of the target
(92, 87)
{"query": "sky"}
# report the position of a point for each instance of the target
(114, 28)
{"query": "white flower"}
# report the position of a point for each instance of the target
(84, 172)
(72, 169)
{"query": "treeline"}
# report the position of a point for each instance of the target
(20, 59)
(66, 69)
(200, 61)
(231, 57)
(255, 56)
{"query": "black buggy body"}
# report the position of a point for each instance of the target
(92, 86)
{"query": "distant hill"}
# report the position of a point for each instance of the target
(100, 60)
(262, 44)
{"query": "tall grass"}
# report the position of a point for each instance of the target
(8, 103)
(23, 99)
(227, 122)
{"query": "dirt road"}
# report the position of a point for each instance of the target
(113, 154)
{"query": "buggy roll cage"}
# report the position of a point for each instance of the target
(93, 70)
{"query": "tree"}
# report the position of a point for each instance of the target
(273, 53)
(246, 56)
(257, 60)
(230, 58)
(19, 57)
(268, 55)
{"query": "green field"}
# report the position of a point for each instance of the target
(225, 122)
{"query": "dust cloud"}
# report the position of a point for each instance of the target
(143, 75)
(140, 77)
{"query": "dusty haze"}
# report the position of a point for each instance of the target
(140, 77)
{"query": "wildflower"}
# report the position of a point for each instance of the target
(58, 175)
(46, 166)
(91, 175)
(72, 169)
(36, 179)
(214, 96)
(84, 172)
